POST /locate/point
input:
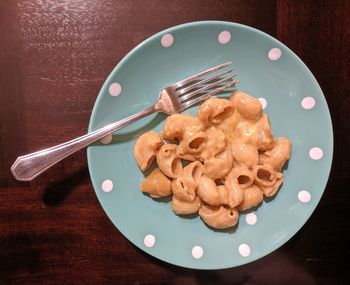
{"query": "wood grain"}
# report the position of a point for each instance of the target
(54, 57)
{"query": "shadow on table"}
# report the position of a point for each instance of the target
(279, 267)
(58, 188)
(58, 191)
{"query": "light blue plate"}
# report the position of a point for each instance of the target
(284, 84)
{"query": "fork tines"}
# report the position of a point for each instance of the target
(203, 87)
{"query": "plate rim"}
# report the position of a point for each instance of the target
(194, 24)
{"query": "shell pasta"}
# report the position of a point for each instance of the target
(217, 164)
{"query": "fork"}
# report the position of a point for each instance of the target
(172, 99)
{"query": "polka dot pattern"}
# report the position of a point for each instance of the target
(224, 37)
(304, 196)
(167, 40)
(115, 89)
(197, 252)
(107, 139)
(263, 102)
(149, 240)
(316, 153)
(251, 219)
(107, 185)
(244, 250)
(308, 103)
(274, 54)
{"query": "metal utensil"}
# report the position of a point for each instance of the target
(172, 99)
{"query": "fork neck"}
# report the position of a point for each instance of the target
(168, 101)
(143, 113)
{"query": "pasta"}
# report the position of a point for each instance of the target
(278, 155)
(156, 184)
(241, 175)
(219, 217)
(268, 179)
(247, 106)
(265, 139)
(191, 145)
(215, 143)
(223, 161)
(146, 148)
(214, 111)
(181, 207)
(218, 166)
(245, 154)
(207, 191)
(252, 196)
(230, 195)
(177, 125)
(184, 186)
(235, 192)
(168, 161)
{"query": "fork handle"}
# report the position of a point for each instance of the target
(29, 166)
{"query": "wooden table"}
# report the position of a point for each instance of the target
(54, 57)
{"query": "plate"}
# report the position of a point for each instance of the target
(268, 70)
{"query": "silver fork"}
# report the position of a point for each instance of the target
(172, 99)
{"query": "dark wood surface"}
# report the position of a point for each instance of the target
(54, 57)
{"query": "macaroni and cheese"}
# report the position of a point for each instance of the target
(223, 161)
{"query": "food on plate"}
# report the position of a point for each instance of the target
(217, 164)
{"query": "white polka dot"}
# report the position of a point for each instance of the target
(308, 103)
(224, 37)
(251, 219)
(149, 240)
(107, 185)
(107, 139)
(244, 250)
(274, 54)
(197, 252)
(304, 196)
(115, 89)
(263, 102)
(167, 40)
(316, 153)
